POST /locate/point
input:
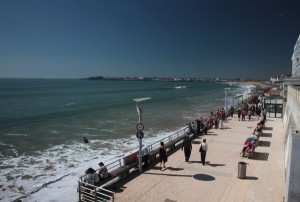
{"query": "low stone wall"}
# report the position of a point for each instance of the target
(293, 169)
(292, 108)
(291, 123)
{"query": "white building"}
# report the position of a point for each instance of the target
(296, 59)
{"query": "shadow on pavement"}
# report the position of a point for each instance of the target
(268, 128)
(264, 143)
(225, 127)
(251, 178)
(196, 142)
(162, 173)
(118, 189)
(211, 133)
(195, 161)
(263, 156)
(266, 135)
(214, 164)
(204, 177)
(174, 169)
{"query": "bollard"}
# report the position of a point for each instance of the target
(242, 170)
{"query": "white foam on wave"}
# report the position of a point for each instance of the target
(62, 165)
(56, 131)
(55, 172)
(180, 87)
(4, 144)
(16, 134)
(91, 128)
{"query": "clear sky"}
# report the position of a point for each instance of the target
(164, 38)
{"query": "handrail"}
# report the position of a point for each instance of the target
(121, 162)
(156, 144)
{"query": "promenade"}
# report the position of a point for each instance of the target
(217, 180)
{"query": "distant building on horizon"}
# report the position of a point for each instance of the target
(296, 59)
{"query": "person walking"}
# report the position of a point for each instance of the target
(194, 127)
(203, 149)
(206, 126)
(162, 156)
(220, 123)
(231, 111)
(239, 113)
(249, 113)
(187, 146)
(145, 156)
(243, 114)
(198, 122)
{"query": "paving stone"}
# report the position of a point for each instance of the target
(217, 180)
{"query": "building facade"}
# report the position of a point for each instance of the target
(296, 59)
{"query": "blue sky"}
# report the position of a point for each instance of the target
(76, 39)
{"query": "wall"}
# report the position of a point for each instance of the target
(291, 123)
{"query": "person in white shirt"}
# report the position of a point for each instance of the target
(145, 156)
(203, 149)
(187, 130)
(194, 127)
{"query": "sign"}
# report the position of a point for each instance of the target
(140, 135)
(140, 127)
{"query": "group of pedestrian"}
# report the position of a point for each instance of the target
(252, 140)
(251, 108)
(163, 158)
(187, 148)
(216, 119)
(93, 177)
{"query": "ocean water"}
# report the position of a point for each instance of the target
(43, 122)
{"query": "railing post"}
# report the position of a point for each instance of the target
(95, 194)
(79, 190)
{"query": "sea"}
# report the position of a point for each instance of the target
(43, 123)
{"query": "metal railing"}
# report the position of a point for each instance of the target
(92, 193)
(167, 139)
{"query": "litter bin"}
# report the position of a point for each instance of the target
(242, 170)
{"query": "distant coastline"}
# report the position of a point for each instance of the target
(177, 79)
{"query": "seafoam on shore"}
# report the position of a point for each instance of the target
(51, 173)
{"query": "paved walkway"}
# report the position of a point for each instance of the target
(217, 180)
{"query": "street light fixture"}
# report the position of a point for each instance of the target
(140, 131)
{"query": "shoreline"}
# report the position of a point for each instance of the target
(257, 84)
(73, 174)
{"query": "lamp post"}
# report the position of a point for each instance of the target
(140, 128)
(225, 90)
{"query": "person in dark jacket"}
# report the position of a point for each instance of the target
(163, 158)
(187, 146)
